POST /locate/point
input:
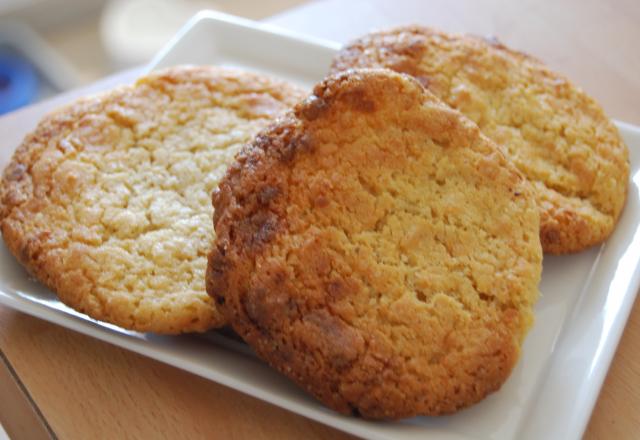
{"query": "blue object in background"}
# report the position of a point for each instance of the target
(18, 81)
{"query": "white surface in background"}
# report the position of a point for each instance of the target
(585, 300)
(132, 31)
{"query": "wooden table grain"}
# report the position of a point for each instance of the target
(54, 382)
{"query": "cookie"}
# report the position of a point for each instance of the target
(107, 202)
(376, 248)
(557, 136)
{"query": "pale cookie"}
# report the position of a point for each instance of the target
(107, 202)
(557, 136)
(376, 248)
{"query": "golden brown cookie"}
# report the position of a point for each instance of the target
(376, 248)
(557, 136)
(107, 202)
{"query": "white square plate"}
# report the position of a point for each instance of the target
(586, 298)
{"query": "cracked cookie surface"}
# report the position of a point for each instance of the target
(376, 248)
(107, 202)
(557, 136)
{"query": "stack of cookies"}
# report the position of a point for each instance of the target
(378, 241)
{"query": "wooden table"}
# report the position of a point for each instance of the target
(54, 382)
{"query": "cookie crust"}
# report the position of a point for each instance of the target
(557, 135)
(376, 248)
(107, 202)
